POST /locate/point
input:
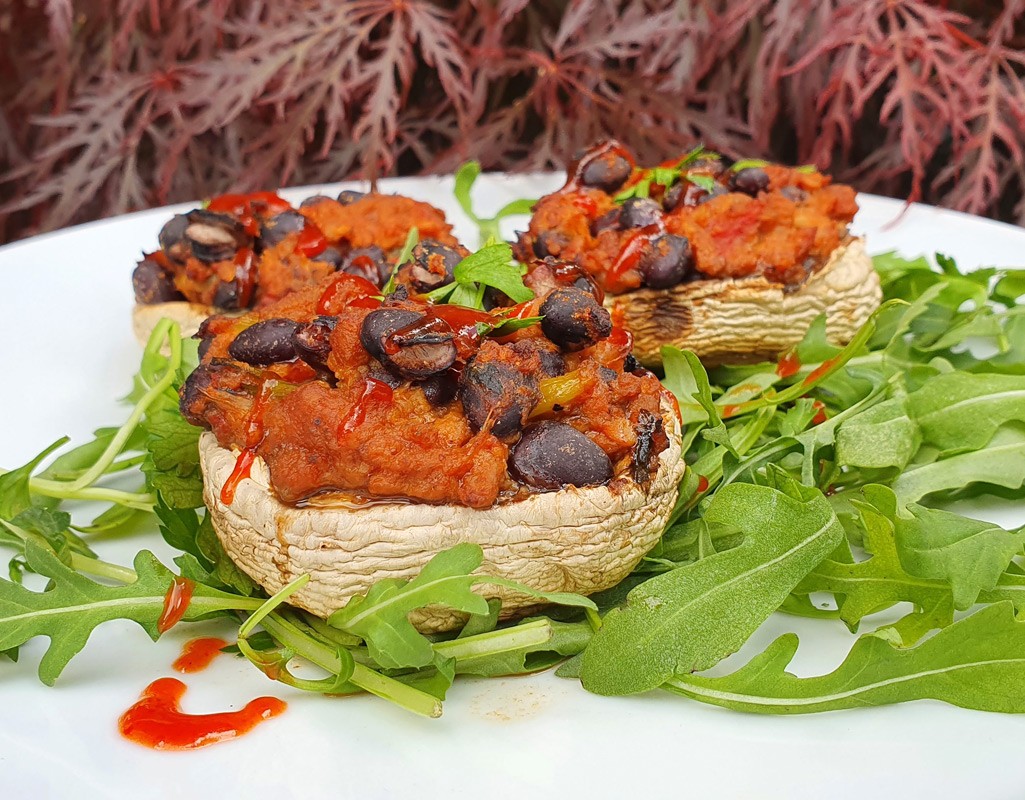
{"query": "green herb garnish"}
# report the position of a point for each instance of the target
(492, 266)
(489, 227)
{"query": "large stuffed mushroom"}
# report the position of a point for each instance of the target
(353, 438)
(732, 260)
(246, 251)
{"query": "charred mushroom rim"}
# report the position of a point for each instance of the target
(247, 251)
(353, 436)
(732, 260)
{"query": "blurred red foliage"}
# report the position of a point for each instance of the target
(113, 105)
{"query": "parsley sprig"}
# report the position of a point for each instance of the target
(493, 266)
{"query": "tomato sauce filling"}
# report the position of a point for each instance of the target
(437, 412)
(783, 223)
(247, 251)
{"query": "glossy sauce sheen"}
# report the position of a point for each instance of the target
(254, 435)
(198, 654)
(157, 720)
(176, 603)
(374, 391)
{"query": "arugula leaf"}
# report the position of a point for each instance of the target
(68, 612)
(529, 646)
(968, 554)
(15, 496)
(667, 627)
(958, 412)
(380, 616)
(978, 662)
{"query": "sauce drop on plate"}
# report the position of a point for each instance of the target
(198, 654)
(157, 720)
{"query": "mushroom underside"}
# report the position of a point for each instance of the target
(575, 540)
(751, 319)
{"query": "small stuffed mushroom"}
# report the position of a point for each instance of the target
(412, 430)
(246, 251)
(730, 260)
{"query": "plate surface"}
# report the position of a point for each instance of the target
(68, 352)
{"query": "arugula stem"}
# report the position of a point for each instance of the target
(528, 634)
(140, 501)
(365, 678)
(164, 329)
(102, 569)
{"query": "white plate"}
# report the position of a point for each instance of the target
(67, 353)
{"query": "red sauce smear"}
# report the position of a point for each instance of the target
(463, 323)
(374, 391)
(702, 484)
(246, 207)
(788, 365)
(820, 370)
(157, 720)
(198, 654)
(821, 415)
(176, 603)
(254, 435)
(729, 411)
(245, 275)
(347, 290)
(312, 241)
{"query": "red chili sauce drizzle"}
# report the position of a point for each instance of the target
(176, 603)
(444, 320)
(374, 391)
(157, 720)
(254, 435)
(198, 654)
(245, 275)
(629, 257)
(702, 484)
(820, 415)
(788, 365)
(348, 290)
(819, 371)
(729, 411)
(246, 207)
(311, 241)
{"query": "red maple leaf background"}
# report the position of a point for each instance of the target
(114, 105)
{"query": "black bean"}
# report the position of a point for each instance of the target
(421, 355)
(204, 346)
(265, 342)
(698, 196)
(651, 440)
(495, 391)
(553, 455)
(213, 237)
(379, 373)
(493, 299)
(349, 196)
(552, 362)
(607, 221)
(667, 261)
(192, 393)
(440, 389)
(421, 351)
(152, 284)
(332, 256)
(607, 171)
(432, 265)
(631, 364)
(227, 295)
(172, 236)
(380, 324)
(312, 341)
(750, 180)
(607, 375)
(573, 319)
(314, 200)
(549, 243)
(369, 263)
(639, 212)
(273, 230)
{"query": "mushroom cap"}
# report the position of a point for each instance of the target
(751, 319)
(574, 540)
(189, 317)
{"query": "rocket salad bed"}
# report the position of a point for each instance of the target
(818, 476)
